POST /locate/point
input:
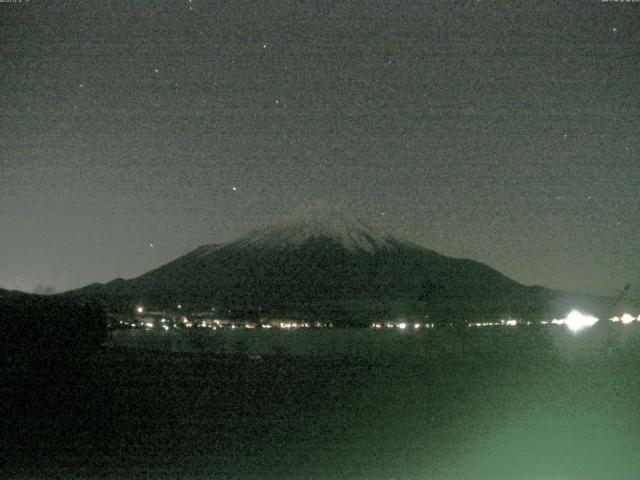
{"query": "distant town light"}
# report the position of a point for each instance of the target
(577, 321)
(140, 309)
(627, 319)
(402, 326)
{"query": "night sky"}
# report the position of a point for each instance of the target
(506, 132)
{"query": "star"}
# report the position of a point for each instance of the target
(151, 245)
(614, 29)
(235, 189)
(155, 70)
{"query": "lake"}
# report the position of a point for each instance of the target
(526, 403)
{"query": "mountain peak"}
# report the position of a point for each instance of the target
(296, 229)
(352, 234)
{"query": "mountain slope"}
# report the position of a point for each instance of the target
(333, 268)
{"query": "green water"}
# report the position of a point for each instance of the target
(502, 404)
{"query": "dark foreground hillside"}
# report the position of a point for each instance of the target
(495, 404)
(44, 349)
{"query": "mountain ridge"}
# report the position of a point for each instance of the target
(331, 268)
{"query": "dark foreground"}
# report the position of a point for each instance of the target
(515, 404)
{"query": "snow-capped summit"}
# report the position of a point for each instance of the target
(313, 223)
(352, 234)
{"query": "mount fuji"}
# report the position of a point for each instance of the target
(330, 267)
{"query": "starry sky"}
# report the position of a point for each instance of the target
(135, 131)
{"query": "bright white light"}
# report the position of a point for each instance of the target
(402, 326)
(626, 319)
(511, 323)
(416, 326)
(577, 321)
(140, 309)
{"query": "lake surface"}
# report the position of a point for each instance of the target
(499, 403)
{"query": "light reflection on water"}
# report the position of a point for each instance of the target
(486, 404)
(497, 404)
